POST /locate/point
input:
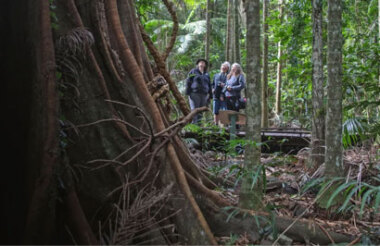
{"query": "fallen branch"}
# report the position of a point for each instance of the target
(355, 241)
(326, 233)
(303, 231)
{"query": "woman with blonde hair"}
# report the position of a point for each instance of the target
(234, 85)
(218, 84)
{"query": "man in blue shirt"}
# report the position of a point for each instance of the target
(198, 87)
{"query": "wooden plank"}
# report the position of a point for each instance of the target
(224, 117)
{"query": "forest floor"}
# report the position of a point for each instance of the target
(287, 177)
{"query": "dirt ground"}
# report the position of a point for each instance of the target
(288, 176)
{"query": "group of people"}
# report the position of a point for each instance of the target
(224, 89)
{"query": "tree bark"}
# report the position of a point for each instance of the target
(318, 120)
(41, 211)
(229, 31)
(251, 197)
(279, 65)
(236, 47)
(100, 75)
(264, 88)
(208, 29)
(333, 152)
(378, 40)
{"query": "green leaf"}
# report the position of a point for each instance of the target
(348, 198)
(372, 8)
(337, 191)
(311, 184)
(232, 214)
(365, 197)
(377, 201)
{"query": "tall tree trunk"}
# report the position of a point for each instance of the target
(236, 47)
(208, 29)
(318, 120)
(279, 65)
(41, 211)
(378, 69)
(333, 153)
(264, 89)
(229, 31)
(251, 196)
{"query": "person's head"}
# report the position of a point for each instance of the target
(236, 70)
(202, 65)
(225, 67)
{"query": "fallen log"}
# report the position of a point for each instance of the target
(304, 230)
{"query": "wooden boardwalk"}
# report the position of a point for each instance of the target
(286, 140)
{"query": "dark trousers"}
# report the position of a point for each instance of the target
(197, 100)
(232, 103)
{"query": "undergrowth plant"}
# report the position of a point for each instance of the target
(367, 194)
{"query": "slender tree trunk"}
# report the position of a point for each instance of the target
(279, 66)
(264, 89)
(251, 196)
(233, 32)
(229, 30)
(237, 29)
(378, 69)
(208, 29)
(334, 148)
(318, 120)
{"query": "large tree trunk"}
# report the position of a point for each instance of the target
(334, 156)
(264, 88)
(318, 120)
(251, 197)
(113, 130)
(32, 134)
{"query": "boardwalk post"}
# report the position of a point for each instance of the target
(232, 118)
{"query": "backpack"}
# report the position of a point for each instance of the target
(242, 101)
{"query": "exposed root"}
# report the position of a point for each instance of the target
(160, 62)
(132, 67)
(169, 6)
(77, 221)
(70, 4)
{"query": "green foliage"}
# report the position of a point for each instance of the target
(53, 15)
(210, 136)
(233, 239)
(361, 101)
(353, 130)
(266, 226)
(341, 193)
